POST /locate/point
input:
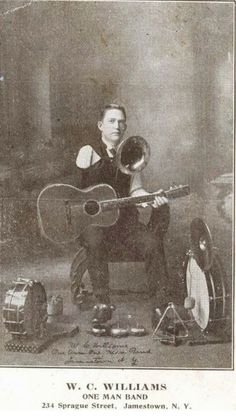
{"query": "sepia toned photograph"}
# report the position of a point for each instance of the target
(116, 184)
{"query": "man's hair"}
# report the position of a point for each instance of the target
(112, 106)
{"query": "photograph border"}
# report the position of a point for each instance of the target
(79, 367)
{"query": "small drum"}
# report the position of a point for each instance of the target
(25, 308)
(207, 288)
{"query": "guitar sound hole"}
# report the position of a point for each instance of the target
(91, 207)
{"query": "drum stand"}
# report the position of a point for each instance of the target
(36, 344)
(172, 329)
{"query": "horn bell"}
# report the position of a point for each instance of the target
(132, 155)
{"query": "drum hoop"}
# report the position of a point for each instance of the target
(222, 278)
(211, 291)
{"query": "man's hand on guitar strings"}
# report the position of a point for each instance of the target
(159, 200)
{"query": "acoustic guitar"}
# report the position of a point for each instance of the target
(64, 211)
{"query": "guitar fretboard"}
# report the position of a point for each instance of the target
(123, 202)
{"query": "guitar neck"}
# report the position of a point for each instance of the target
(171, 193)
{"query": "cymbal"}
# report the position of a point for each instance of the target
(201, 243)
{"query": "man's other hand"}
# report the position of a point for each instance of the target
(159, 200)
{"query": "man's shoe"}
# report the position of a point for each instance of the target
(102, 313)
(100, 329)
(117, 331)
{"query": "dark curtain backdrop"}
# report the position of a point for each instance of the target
(169, 64)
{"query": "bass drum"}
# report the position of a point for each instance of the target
(25, 308)
(207, 288)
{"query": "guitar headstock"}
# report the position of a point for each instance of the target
(177, 191)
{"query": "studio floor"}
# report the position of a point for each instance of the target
(51, 266)
(84, 349)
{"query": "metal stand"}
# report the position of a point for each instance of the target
(171, 329)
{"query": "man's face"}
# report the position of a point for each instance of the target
(113, 126)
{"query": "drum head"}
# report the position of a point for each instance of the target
(197, 288)
(201, 243)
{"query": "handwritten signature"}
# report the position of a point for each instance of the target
(102, 353)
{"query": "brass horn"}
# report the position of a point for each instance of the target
(132, 155)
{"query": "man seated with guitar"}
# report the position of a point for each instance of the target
(97, 165)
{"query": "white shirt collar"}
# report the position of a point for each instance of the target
(108, 147)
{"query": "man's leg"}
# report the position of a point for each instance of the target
(104, 244)
(94, 241)
(158, 225)
(159, 220)
(148, 246)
